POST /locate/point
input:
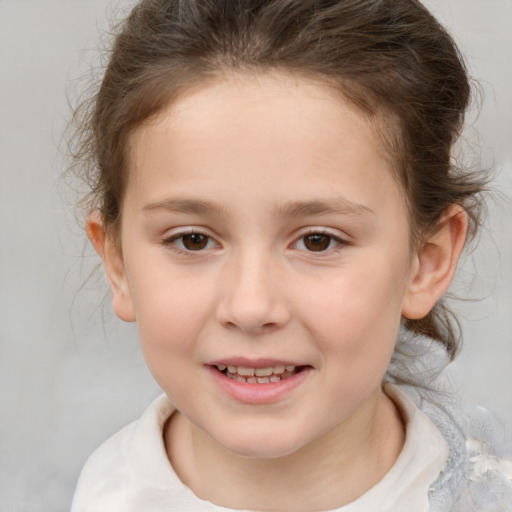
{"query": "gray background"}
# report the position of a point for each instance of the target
(70, 373)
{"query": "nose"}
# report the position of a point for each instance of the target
(252, 295)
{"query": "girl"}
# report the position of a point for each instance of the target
(275, 202)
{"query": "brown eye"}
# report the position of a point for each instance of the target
(317, 242)
(191, 241)
(194, 241)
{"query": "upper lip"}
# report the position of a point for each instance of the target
(254, 363)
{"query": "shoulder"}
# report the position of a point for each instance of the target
(489, 477)
(105, 474)
(477, 475)
(116, 471)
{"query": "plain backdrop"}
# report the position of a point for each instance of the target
(70, 373)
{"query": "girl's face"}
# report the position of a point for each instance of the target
(264, 236)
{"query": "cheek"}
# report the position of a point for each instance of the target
(355, 329)
(171, 310)
(169, 325)
(357, 314)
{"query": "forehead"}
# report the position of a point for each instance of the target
(267, 132)
(279, 99)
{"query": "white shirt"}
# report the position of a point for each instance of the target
(130, 472)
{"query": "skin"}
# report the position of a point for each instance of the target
(232, 161)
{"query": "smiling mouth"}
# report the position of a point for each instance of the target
(267, 375)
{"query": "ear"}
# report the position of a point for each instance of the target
(435, 263)
(113, 263)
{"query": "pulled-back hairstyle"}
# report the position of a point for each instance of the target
(390, 58)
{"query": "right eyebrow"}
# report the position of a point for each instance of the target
(182, 205)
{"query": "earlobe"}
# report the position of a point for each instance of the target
(113, 263)
(435, 264)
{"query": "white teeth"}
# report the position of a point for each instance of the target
(264, 372)
(258, 375)
(246, 372)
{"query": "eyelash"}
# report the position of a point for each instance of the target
(171, 241)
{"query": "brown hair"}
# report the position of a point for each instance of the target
(391, 58)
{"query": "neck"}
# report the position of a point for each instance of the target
(331, 472)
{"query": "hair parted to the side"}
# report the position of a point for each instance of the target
(391, 58)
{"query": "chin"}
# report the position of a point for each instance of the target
(270, 445)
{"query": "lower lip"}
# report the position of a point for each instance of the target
(258, 393)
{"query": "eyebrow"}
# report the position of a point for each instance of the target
(290, 209)
(339, 205)
(182, 205)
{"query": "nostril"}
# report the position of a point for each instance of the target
(251, 325)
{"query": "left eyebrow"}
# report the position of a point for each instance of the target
(339, 205)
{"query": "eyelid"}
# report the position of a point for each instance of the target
(334, 233)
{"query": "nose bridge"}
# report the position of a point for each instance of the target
(252, 298)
